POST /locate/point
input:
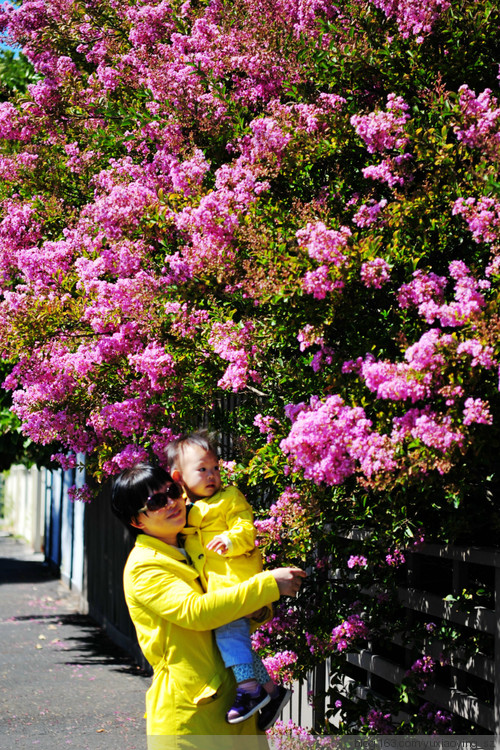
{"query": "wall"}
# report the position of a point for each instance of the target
(24, 504)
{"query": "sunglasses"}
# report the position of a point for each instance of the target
(160, 499)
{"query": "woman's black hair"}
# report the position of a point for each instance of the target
(132, 487)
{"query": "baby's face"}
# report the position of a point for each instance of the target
(200, 472)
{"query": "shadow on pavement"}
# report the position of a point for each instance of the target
(23, 571)
(82, 640)
(89, 643)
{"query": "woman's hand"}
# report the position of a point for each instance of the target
(289, 580)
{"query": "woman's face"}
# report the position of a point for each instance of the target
(164, 523)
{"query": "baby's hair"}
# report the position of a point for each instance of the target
(202, 438)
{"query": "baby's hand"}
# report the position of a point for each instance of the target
(217, 545)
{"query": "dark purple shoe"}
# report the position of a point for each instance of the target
(246, 705)
(271, 712)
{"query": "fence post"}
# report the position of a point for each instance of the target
(496, 707)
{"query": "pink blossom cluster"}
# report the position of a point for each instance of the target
(186, 322)
(384, 131)
(426, 292)
(481, 355)
(132, 454)
(83, 494)
(155, 364)
(481, 120)
(232, 343)
(414, 379)
(285, 514)
(378, 721)
(290, 736)
(375, 273)
(357, 561)
(413, 17)
(285, 620)
(477, 411)
(369, 213)
(323, 244)
(424, 289)
(433, 429)
(319, 282)
(395, 558)
(328, 440)
(280, 665)
(482, 216)
(421, 669)
(267, 426)
(349, 631)
(442, 720)
(308, 336)
(328, 247)
(390, 170)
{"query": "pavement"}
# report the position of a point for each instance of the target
(63, 683)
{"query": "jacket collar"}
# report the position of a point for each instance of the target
(145, 540)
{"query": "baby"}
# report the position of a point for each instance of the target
(222, 520)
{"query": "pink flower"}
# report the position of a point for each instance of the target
(383, 131)
(378, 722)
(395, 558)
(375, 273)
(413, 17)
(319, 284)
(232, 343)
(323, 244)
(477, 410)
(482, 216)
(481, 115)
(328, 439)
(369, 213)
(351, 630)
(420, 670)
(279, 665)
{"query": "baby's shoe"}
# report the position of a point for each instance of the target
(247, 704)
(271, 712)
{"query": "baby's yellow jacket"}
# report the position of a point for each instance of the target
(228, 513)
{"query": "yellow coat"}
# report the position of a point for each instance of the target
(228, 513)
(191, 689)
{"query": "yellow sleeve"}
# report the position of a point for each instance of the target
(174, 600)
(241, 531)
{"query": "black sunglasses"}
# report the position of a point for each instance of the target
(160, 499)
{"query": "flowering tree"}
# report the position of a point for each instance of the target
(297, 202)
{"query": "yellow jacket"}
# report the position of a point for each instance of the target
(229, 514)
(191, 689)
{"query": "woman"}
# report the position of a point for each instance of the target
(174, 618)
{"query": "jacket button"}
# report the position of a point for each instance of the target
(200, 557)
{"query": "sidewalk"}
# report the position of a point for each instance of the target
(63, 683)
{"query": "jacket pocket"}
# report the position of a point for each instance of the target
(189, 685)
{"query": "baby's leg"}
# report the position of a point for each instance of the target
(278, 694)
(235, 647)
